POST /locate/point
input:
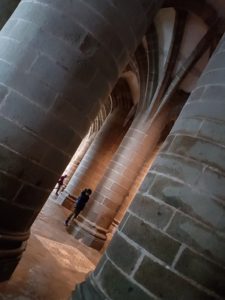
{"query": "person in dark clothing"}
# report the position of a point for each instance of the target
(60, 183)
(79, 205)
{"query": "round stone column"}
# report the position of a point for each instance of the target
(85, 144)
(77, 158)
(170, 244)
(58, 60)
(172, 115)
(133, 190)
(135, 150)
(95, 161)
(71, 168)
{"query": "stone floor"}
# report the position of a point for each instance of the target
(53, 263)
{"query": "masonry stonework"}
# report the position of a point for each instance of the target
(54, 55)
(170, 244)
(137, 148)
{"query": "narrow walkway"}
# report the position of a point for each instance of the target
(53, 263)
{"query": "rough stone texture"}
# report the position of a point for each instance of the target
(197, 236)
(149, 209)
(87, 291)
(120, 245)
(180, 168)
(203, 271)
(179, 195)
(124, 289)
(54, 52)
(166, 284)
(152, 240)
(203, 151)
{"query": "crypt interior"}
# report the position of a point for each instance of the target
(126, 97)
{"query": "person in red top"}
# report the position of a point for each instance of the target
(60, 183)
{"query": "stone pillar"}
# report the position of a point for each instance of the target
(138, 145)
(6, 9)
(71, 168)
(95, 161)
(58, 60)
(170, 244)
(78, 156)
(85, 144)
(135, 186)
(149, 161)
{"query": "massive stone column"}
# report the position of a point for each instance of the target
(84, 146)
(94, 163)
(78, 156)
(71, 168)
(170, 244)
(58, 60)
(134, 151)
(134, 188)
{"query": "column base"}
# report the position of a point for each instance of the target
(88, 233)
(87, 290)
(11, 249)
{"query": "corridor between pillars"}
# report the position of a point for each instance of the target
(170, 244)
(95, 161)
(58, 61)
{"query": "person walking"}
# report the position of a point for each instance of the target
(60, 183)
(79, 205)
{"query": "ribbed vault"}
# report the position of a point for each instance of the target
(120, 97)
(157, 86)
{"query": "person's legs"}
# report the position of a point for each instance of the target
(73, 215)
(57, 189)
(76, 213)
(69, 218)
